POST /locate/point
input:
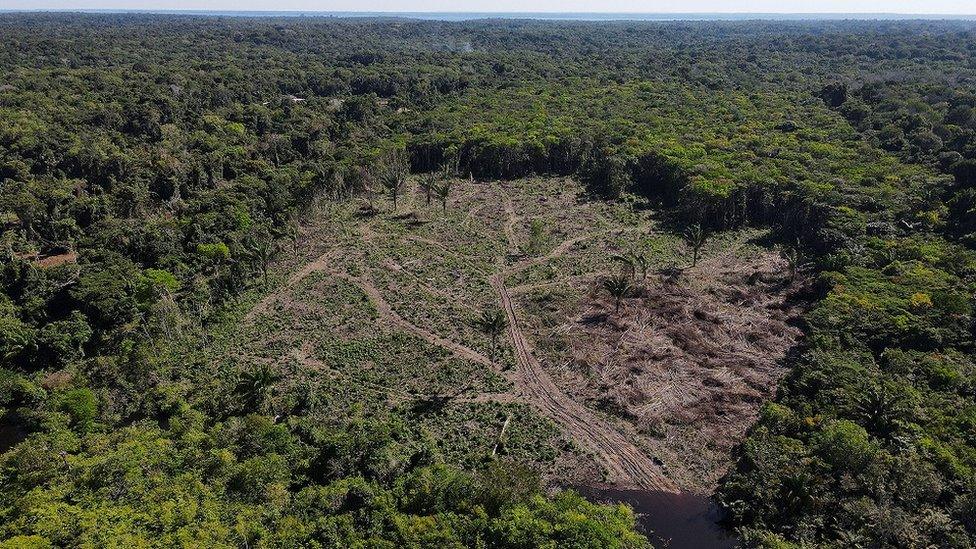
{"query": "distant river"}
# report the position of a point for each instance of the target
(675, 521)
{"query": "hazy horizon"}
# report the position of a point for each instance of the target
(480, 12)
(663, 8)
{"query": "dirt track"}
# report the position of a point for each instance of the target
(626, 464)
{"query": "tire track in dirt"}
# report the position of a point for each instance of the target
(626, 463)
(510, 222)
(387, 313)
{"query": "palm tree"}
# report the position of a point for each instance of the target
(492, 323)
(451, 167)
(641, 261)
(794, 261)
(264, 251)
(795, 491)
(882, 411)
(631, 263)
(428, 182)
(393, 183)
(618, 287)
(695, 238)
(253, 386)
(394, 175)
(443, 192)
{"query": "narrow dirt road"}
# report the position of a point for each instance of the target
(387, 313)
(626, 463)
(320, 263)
(567, 245)
(323, 263)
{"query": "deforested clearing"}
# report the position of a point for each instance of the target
(688, 358)
(679, 370)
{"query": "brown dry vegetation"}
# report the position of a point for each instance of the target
(374, 309)
(687, 360)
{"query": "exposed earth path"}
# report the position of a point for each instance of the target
(386, 312)
(627, 465)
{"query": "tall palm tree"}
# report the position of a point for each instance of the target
(492, 323)
(393, 183)
(443, 192)
(262, 247)
(618, 286)
(695, 238)
(393, 175)
(264, 252)
(428, 182)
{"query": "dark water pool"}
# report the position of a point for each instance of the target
(675, 521)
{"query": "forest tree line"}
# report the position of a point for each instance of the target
(152, 167)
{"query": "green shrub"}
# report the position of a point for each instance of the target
(81, 405)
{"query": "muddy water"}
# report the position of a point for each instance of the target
(675, 521)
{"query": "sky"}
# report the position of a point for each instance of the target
(967, 7)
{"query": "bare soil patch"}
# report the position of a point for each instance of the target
(626, 464)
(51, 260)
(687, 360)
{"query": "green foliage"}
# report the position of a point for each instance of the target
(16, 337)
(492, 323)
(393, 174)
(537, 236)
(619, 287)
(228, 484)
(63, 342)
(149, 164)
(443, 192)
(844, 445)
(81, 405)
(695, 238)
(215, 252)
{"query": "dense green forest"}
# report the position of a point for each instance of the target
(152, 168)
